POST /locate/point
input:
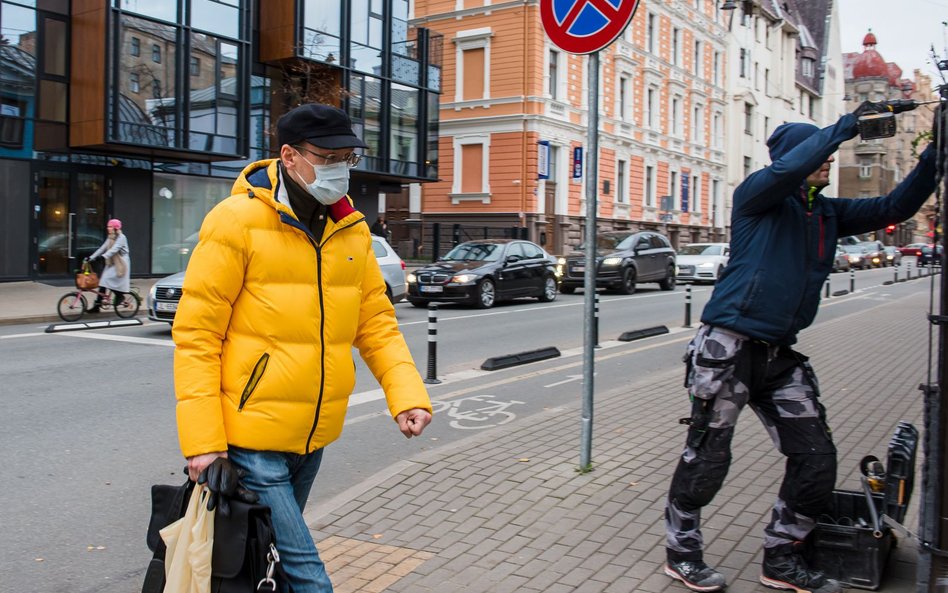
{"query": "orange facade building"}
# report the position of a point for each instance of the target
(508, 94)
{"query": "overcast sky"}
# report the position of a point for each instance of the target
(905, 30)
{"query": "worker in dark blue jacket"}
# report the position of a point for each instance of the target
(783, 242)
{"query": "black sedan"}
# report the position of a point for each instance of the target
(624, 259)
(927, 257)
(481, 273)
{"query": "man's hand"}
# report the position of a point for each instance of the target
(223, 480)
(413, 422)
(869, 108)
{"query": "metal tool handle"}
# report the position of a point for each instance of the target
(873, 513)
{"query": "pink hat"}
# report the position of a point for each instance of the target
(115, 223)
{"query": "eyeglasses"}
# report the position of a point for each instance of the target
(352, 159)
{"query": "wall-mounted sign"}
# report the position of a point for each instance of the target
(578, 162)
(543, 159)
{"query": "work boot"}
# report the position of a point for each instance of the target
(691, 570)
(785, 568)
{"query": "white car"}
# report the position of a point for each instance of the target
(702, 262)
(162, 301)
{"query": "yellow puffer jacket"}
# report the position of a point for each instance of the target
(266, 324)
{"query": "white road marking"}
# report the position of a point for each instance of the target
(126, 339)
(29, 335)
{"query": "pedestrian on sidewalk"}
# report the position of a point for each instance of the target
(783, 242)
(116, 274)
(282, 284)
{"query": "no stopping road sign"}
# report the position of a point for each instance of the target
(585, 26)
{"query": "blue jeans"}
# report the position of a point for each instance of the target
(283, 481)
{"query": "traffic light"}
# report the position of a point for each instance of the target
(890, 229)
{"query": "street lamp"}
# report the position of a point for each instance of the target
(728, 5)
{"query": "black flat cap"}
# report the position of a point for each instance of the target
(321, 125)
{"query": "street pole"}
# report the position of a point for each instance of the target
(589, 278)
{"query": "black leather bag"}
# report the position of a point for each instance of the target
(244, 559)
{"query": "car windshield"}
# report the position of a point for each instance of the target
(611, 241)
(700, 250)
(475, 252)
(853, 248)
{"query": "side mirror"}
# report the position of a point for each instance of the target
(512, 259)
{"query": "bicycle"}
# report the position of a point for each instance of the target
(73, 305)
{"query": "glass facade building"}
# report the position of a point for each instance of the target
(147, 110)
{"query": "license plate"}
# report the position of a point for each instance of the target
(166, 306)
(431, 288)
(579, 269)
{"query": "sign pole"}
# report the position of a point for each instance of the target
(589, 278)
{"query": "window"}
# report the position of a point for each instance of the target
(807, 65)
(697, 123)
(472, 159)
(865, 168)
(748, 118)
(698, 59)
(766, 127)
(136, 46)
(676, 46)
(744, 63)
(756, 76)
(652, 103)
(767, 81)
(716, 65)
(156, 89)
(676, 113)
(622, 196)
(156, 53)
(748, 164)
(695, 205)
(623, 108)
(717, 129)
(473, 69)
(133, 83)
(715, 201)
(195, 66)
(673, 189)
(650, 186)
(652, 33)
(322, 24)
(810, 100)
(554, 75)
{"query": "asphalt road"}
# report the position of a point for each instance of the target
(90, 416)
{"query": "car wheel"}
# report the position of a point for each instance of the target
(628, 282)
(417, 303)
(549, 290)
(668, 282)
(486, 294)
(567, 289)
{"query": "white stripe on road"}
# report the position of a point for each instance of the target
(127, 339)
(30, 335)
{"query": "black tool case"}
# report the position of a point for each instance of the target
(851, 544)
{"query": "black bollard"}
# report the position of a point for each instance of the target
(432, 377)
(687, 305)
(895, 269)
(852, 280)
(595, 327)
(827, 294)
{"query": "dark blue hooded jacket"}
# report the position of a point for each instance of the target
(781, 250)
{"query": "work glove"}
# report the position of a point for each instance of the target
(869, 108)
(223, 480)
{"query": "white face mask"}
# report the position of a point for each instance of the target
(331, 183)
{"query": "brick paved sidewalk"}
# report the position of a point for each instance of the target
(506, 510)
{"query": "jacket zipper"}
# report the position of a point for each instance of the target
(255, 376)
(322, 318)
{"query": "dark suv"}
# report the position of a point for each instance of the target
(623, 259)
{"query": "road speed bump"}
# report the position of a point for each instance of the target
(638, 334)
(509, 360)
(79, 325)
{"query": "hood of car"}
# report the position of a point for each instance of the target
(696, 260)
(600, 253)
(176, 280)
(454, 267)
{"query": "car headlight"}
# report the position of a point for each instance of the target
(561, 261)
(612, 261)
(411, 278)
(463, 278)
(153, 293)
(853, 259)
(706, 264)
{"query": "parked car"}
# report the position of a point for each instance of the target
(624, 259)
(702, 262)
(162, 301)
(481, 273)
(893, 256)
(857, 255)
(875, 253)
(55, 249)
(926, 257)
(393, 269)
(912, 249)
(841, 261)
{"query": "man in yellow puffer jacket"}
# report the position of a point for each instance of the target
(282, 284)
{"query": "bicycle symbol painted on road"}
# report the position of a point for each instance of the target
(475, 412)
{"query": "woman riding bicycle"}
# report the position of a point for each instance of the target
(115, 276)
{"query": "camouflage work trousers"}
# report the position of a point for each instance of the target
(725, 372)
